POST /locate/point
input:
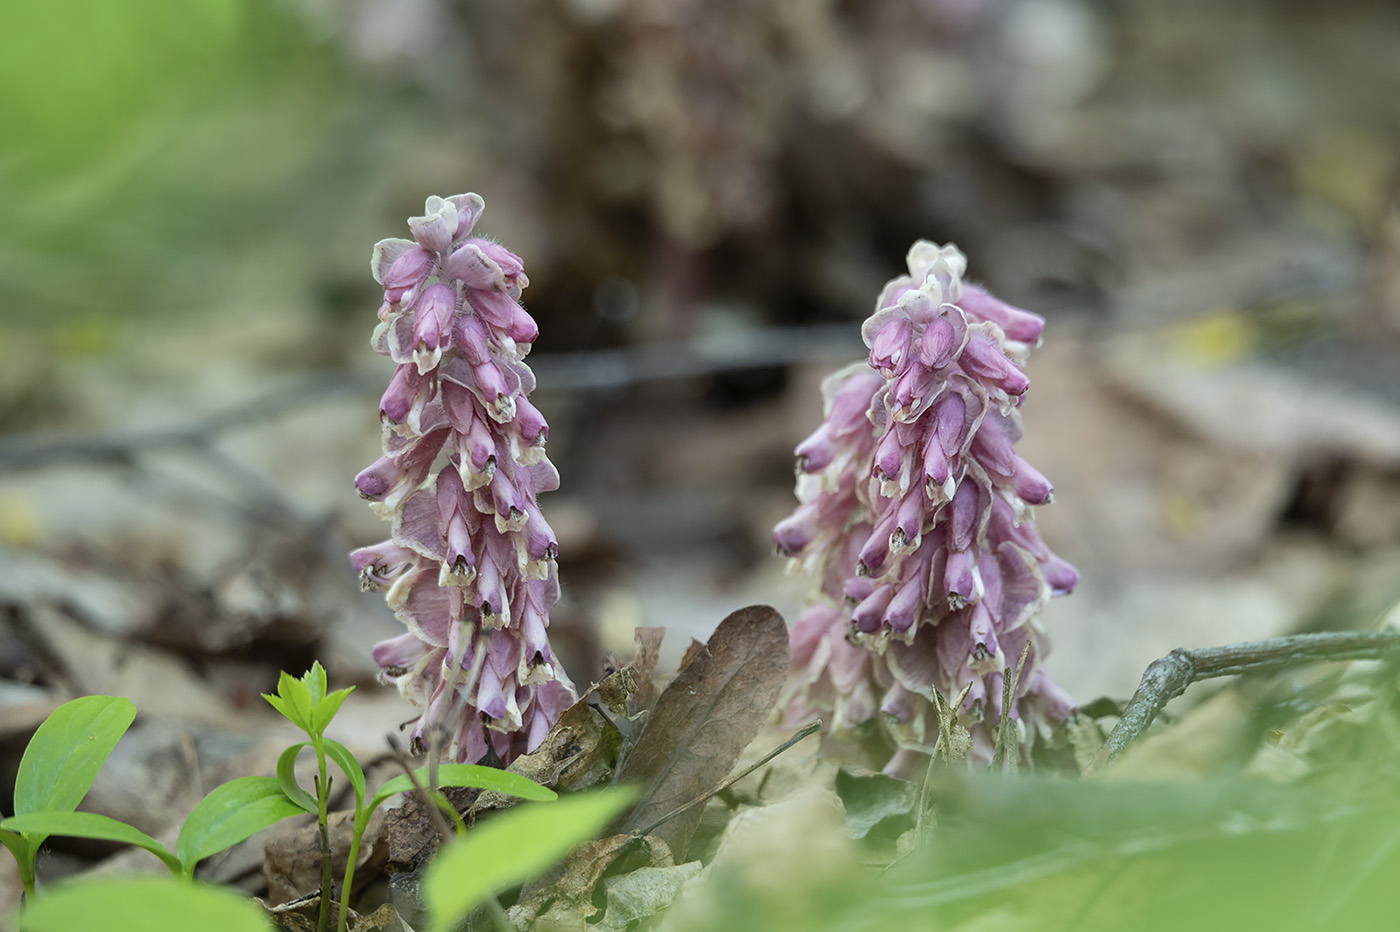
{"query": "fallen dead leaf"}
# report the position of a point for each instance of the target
(704, 720)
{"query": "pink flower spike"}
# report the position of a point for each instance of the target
(471, 557)
(935, 580)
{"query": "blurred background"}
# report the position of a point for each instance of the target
(1202, 198)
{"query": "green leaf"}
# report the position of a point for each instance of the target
(287, 778)
(142, 904)
(230, 813)
(348, 766)
(68, 750)
(325, 711)
(88, 825)
(283, 708)
(295, 703)
(19, 845)
(471, 775)
(512, 847)
(315, 682)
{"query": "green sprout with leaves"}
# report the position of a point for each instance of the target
(306, 704)
(71, 746)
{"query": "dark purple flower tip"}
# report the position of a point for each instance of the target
(1060, 575)
(530, 423)
(875, 555)
(376, 479)
(891, 455)
(522, 328)
(794, 533)
(1030, 485)
(857, 588)
(903, 610)
(867, 616)
(399, 397)
(960, 582)
(816, 452)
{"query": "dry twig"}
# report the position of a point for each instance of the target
(1167, 678)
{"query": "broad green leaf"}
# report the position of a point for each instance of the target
(326, 709)
(142, 904)
(68, 750)
(512, 847)
(88, 825)
(287, 778)
(348, 766)
(471, 775)
(315, 682)
(230, 813)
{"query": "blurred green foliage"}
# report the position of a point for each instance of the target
(150, 146)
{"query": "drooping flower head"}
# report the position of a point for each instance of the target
(915, 516)
(470, 564)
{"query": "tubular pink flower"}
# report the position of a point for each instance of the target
(915, 517)
(470, 567)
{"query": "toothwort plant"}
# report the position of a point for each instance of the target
(470, 564)
(915, 516)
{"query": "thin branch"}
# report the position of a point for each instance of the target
(592, 370)
(1168, 677)
(804, 731)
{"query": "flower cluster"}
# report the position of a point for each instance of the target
(916, 515)
(470, 564)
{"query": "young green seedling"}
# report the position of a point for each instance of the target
(60, 764)
(304, 703)
(308, 711)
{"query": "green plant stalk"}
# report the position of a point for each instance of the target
(26, 874)
(323, 795)
(361, 824)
